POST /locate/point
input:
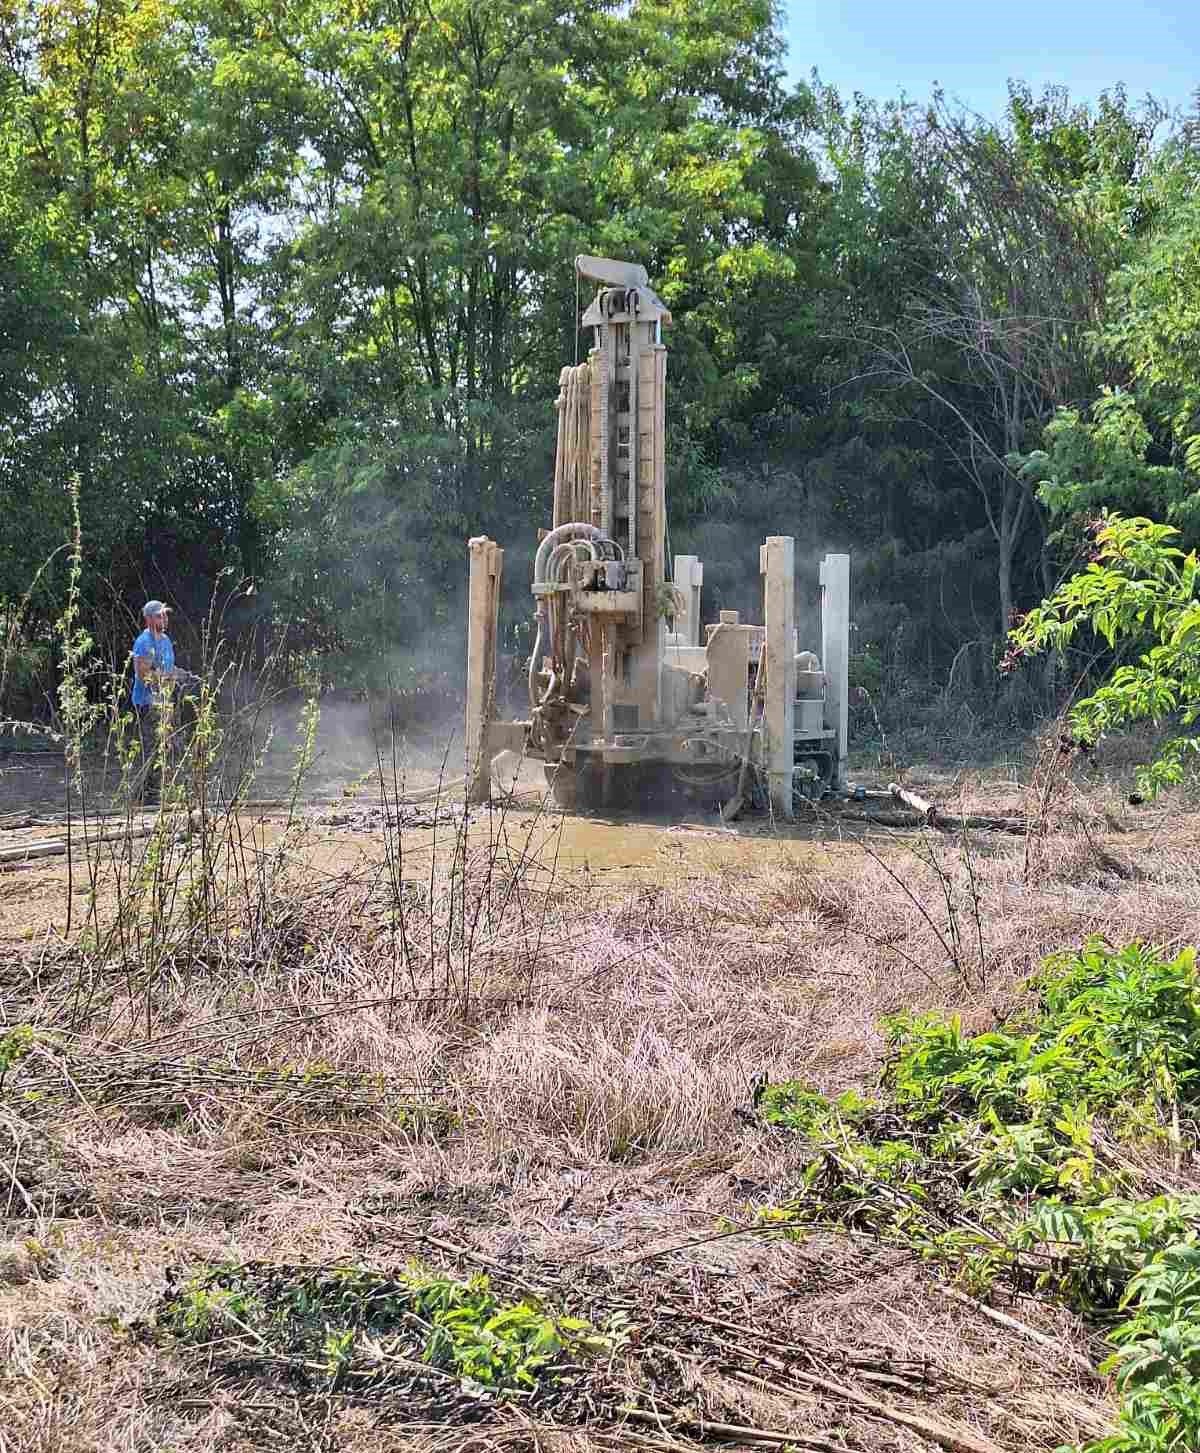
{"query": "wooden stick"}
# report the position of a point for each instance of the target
(949, 1438)
(880, 819)
(1051, 1344)
(671, 1420)
(946, 822)
(54, 847)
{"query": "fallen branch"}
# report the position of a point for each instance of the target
(55, 847)
(1051, 1344)
(933, 816)
(678, 1422)
(881, 819)
(953, 1440)
(949, 1438)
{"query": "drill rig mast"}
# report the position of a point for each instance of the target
(617, 706)
(595, 672)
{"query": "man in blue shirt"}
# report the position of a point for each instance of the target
(153, 666)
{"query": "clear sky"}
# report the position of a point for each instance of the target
(883, 47)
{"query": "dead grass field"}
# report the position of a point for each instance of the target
(521, 1049)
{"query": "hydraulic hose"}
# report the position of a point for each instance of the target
(558, 536)
(535, 660)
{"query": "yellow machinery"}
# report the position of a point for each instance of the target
(622, 711)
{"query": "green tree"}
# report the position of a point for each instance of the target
(1153, 325)
(457, 157)
(1104, 461)
(1136, 449)
(1138, 592)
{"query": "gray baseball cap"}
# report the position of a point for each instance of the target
(154, 608)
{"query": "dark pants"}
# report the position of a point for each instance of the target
(151, 781)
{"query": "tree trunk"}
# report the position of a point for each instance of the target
(1007, 548)
(227, 288)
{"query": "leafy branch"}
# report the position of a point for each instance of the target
(1139, 589)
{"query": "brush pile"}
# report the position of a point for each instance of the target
(666, 1351)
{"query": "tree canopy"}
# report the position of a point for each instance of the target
(286, 288)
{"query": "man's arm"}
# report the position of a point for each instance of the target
(145, 663)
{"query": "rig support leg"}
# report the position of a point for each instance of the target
(777, 564)
(487, 561)
(729, 667)
(689, 578)
(835, 655)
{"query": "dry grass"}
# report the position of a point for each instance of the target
(523, 1070)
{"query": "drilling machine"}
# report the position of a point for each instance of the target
(623, 712)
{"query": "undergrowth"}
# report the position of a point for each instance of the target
(45, 1071)
(1020, 1158)
(342, 1325)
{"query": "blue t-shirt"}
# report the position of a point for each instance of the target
(162, 655)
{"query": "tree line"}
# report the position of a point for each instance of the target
(286, 285)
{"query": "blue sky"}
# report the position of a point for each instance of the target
(881, 47)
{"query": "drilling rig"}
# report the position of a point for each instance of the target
(627, 707)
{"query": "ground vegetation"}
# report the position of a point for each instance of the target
(397, 1126)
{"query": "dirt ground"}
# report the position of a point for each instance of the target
(33, 895)
(575, 1012)
(333, 836)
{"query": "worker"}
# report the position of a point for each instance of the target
(154, 667)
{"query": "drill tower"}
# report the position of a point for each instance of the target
(621, 710)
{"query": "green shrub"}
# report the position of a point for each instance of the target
(993, 1158)
(349, 1321)
(15, 1044)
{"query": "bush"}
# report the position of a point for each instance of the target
(994, 1158)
